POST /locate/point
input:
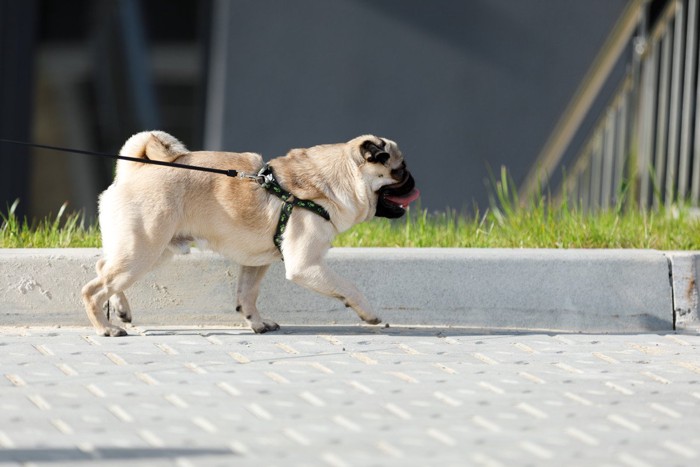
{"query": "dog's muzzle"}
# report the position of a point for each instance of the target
(393, 199)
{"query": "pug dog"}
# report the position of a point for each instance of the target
(151, 212)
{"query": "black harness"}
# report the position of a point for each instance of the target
(268, 181)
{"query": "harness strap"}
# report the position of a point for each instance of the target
(269, 182)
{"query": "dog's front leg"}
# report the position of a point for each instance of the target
(311, 272)
(249, 279)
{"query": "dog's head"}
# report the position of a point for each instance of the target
(385, 170)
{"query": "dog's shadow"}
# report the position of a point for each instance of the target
(397, 331)
(334, 330)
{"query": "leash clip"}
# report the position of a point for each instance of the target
(264, 176)
(257, 177)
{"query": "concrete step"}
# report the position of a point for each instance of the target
(515, 289)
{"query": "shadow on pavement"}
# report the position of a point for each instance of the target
(59, 454)
(365, 330)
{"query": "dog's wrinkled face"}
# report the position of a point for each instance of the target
(390, 179)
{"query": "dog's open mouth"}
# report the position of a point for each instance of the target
(393, 199)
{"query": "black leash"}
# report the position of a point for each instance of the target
(228, 173)
(265, 177)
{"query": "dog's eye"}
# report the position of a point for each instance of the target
(370, 146)
(381, 157)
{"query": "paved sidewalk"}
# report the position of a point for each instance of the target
(347, 396)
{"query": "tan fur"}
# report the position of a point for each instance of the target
(151, 212)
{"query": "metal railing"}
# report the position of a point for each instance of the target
(646, 143)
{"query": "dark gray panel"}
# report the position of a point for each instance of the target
(461, 86)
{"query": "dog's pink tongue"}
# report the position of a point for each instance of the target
(406, 199)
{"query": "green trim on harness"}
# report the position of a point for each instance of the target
(269, 182)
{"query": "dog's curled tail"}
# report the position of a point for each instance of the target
(154, 145)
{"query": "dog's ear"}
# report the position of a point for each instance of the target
(374, 152)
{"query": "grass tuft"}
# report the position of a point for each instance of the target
(61, 231)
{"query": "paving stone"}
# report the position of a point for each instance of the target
(337, 396)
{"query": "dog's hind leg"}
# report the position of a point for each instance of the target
(114, 276)
(95, 294)
(249, 279)
(118, 301)
(120, 304)
(94, 301)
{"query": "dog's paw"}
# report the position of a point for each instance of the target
(372, 320)
(264, 326)
(112, 331)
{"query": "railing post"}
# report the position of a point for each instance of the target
(691, 48)
(675, 104)
(634, 122)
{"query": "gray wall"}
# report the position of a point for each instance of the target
(463, 86)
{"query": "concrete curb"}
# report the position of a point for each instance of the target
(526, 289)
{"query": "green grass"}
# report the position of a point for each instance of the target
(531, 229)
(539, 223)
(60, 231)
